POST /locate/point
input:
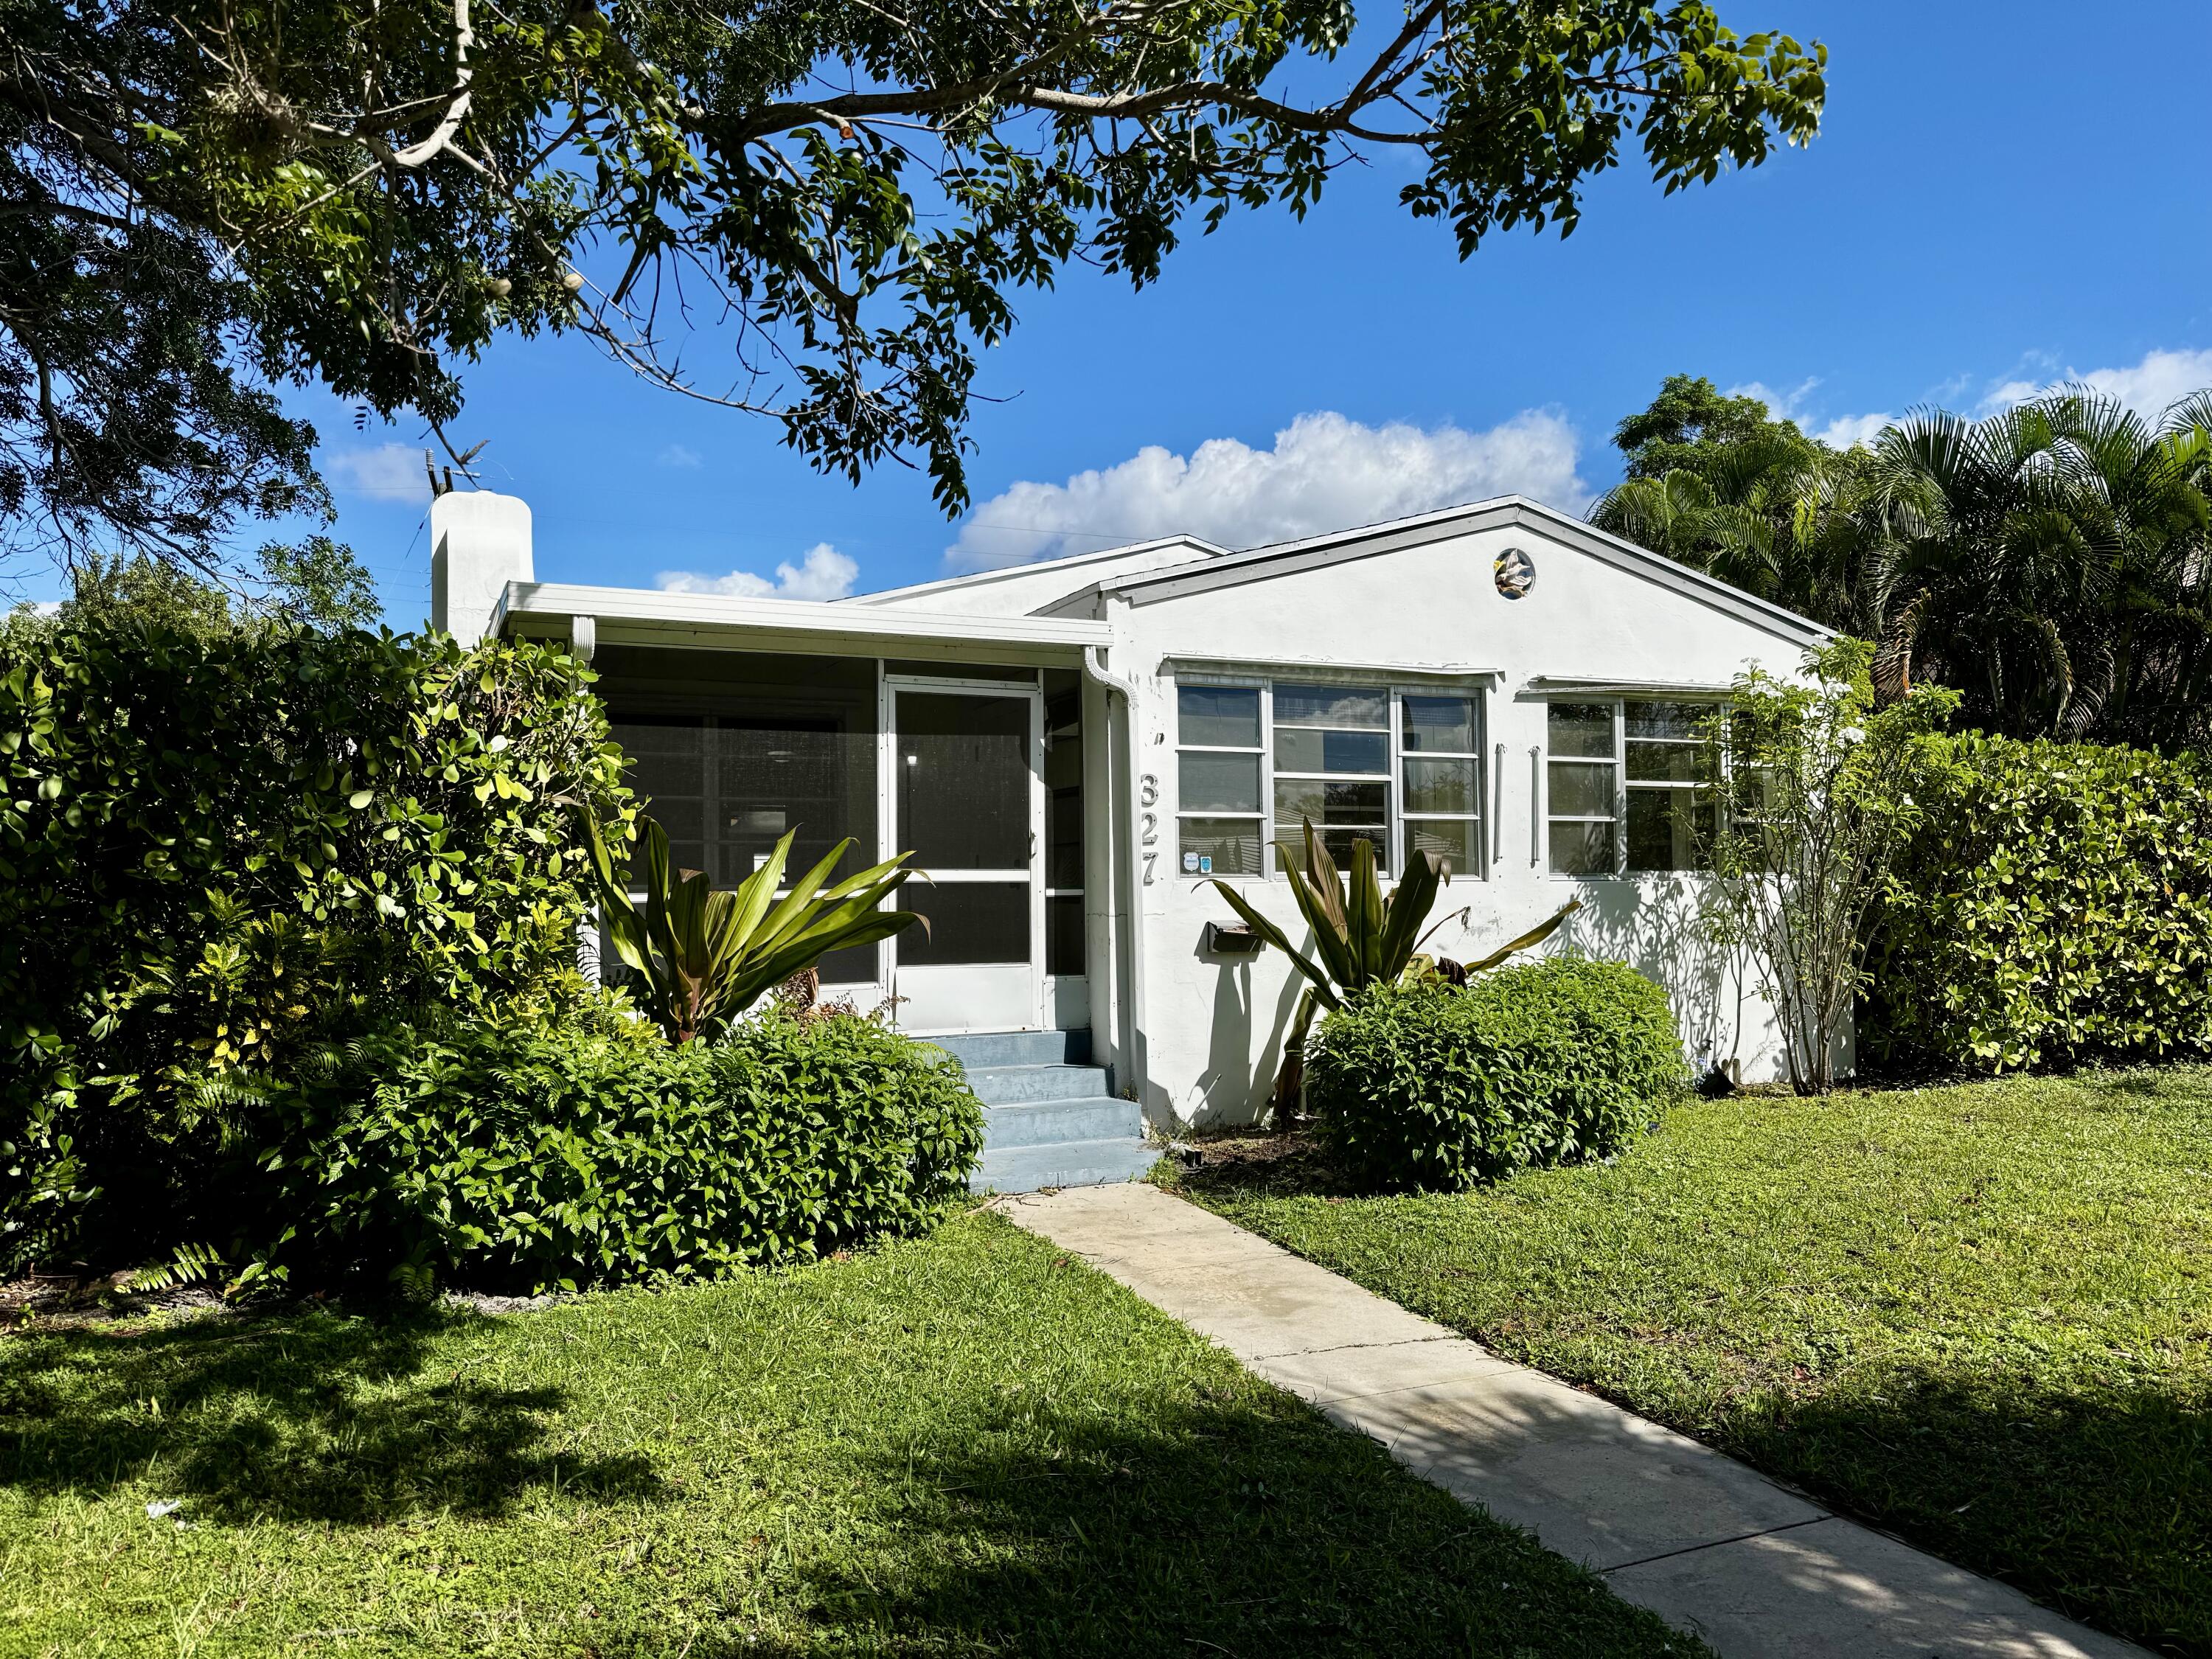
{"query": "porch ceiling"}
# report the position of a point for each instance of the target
(635, 616)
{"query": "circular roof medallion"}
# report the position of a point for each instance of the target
(1516, 573)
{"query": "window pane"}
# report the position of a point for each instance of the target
(1580, 790)
(1338, 840)
(1298, 799)
(1669, 828)
(1231, 845)
(1332, 705)
(1219, 716)
(1582, 850)
(1671, 762)
(1063, 934)
(1227, 783)
(1667, 719)
(1440, 786)
(1581, 728)
(969, 922)
(1306, 750)
(1453, 840)
(1440, 725)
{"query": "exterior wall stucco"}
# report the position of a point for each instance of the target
(1213, 1025)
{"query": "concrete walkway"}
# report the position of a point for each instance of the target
(1757, 1570)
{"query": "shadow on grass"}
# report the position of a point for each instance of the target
(2094, 1495)
(322, 1417)
(1242, 1525)
(2082, 1474)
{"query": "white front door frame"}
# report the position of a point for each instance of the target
(947, 1000)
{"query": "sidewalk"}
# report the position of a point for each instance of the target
(1758, 1570)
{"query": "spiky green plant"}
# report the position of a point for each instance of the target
(707, 954)
(1362, 937)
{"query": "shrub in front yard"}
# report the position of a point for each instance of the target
(220, 851)
(1436, 1088)
(530, 1156)
(2054, 906)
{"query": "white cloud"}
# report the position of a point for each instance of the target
(1848, 429)
(1325, 472)
(1795, 405)
(678, 455)
(822, 573)
(2160, 379)
(389, 472)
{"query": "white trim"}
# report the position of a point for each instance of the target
(631, 613)
(1031, 691)
(1503, 512)
(1199, 549)
(1195, 668)
(1569, 688)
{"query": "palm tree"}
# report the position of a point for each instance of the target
(2053, 561)
(1772, 515)
(2050, 561)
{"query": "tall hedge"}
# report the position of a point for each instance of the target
(2055, 907)
(219, 850)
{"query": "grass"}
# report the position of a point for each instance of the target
(1979, 1317)
(968, 1444)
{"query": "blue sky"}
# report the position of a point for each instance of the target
(2002, 196)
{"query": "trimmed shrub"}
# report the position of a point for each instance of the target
(534, 1155)
(2055, 907)
(220, 851)
(1435, 1087)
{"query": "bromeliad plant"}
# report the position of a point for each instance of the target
(1362, 937)
(707, 954)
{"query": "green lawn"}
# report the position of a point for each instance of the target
(1980, 1316)
(968, 1444)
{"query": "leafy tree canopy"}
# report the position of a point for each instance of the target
(1692, 427)
(318, 586)
(203, 198)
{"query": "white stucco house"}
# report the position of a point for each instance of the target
(1075, 750)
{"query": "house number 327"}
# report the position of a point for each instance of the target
(1148, 795)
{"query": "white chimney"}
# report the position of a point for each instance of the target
(479, 542)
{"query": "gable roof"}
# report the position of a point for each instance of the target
(1197, 549)
(1503, 512)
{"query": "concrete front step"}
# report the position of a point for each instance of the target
(1041, 1122)
(1063, 1163)
(981, 1049)
(1011, 1085)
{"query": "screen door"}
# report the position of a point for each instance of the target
(967, 801)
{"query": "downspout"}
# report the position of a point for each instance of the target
(1094, 667)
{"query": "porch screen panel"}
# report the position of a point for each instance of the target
(729, 751)
(1063, 804)
(963, 782)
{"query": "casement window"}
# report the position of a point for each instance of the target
(1332, 768)
(1625, 788)
(1256, 762)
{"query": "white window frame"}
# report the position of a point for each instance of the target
(1264, 817)
(1396, 817)
(1388, 732)
(1478, 821)
(1622, 784)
